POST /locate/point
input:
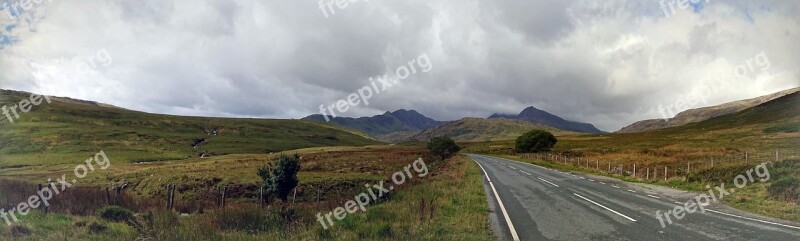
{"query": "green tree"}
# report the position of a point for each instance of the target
(443, 147)
(535, 141)
(282, 178)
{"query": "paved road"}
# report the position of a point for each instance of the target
(545, 204)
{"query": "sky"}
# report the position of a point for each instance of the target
(609, 63)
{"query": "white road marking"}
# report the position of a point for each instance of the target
(603, 183)
(582, 178)
(502, 207)
(548, 182)
(753, 219)
(615, 212)
(512, 167)
(631, 191)
(615, 187)
(653, 196)
(592, 180)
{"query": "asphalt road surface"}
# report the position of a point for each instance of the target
(529, 202)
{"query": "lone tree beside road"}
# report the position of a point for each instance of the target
(535, 141)
(282, 178)
(443, 147)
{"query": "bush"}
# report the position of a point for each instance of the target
(95, 227)
(535, 141)
(115, 214)
(19, 231)
(786, 189)
(443, 147)
(281, 179)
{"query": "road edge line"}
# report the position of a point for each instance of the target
(500, 202)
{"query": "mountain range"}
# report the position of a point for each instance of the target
(537, 116)
(386, 123)
(409, 125)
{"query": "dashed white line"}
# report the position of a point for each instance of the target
(602, 183)
(631, 191)
(615, 212)
(548, 182)
(653, 196)
(512, 167)
(591, 180)
(582, 178)
(502, 207)
(615, 187)
(753, 219)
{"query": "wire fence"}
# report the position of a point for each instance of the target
(664, 170)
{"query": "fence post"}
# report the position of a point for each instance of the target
(609, 167)
(746, 158)
(634, 170)
(108, 196)
(224, 193)
(294, 196)
(46, 206)
(648, 174)
(167, 196)
(776, 156)
(119, 193)
(666, 174)
(172, 198)
(688, 169)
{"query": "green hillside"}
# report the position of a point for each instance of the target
(68, 130)
(478, 129)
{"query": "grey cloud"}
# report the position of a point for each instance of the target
(608, 63)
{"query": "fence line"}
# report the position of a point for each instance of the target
(676, 170)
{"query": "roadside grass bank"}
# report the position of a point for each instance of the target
(455, 209)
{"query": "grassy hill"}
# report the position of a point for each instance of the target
(477, 129)
(705, 113)
(68, 130)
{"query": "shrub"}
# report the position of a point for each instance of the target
(535, 141)
(95, 227)
(79, 224)
(19, 231)
(786, 189)
(384, 230)
(443, 147)
(115, 214)
(281, 179)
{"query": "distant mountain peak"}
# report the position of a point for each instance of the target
(535, 115)
(401, 120)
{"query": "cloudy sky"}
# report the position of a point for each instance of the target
(609, 63)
